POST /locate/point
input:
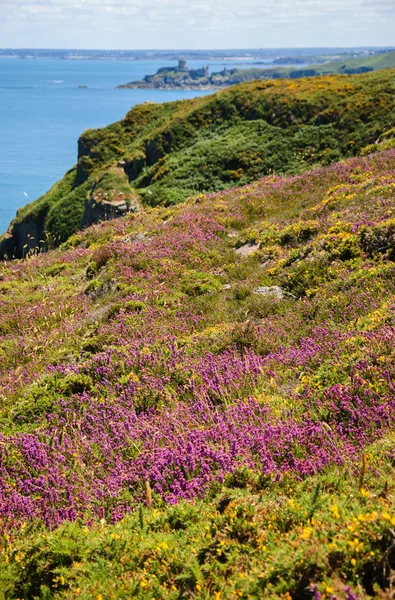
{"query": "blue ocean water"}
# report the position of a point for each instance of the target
(43, 112)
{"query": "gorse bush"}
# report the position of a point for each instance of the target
(380, 239)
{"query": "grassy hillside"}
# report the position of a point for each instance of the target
(377, 62)
(198, 400)
(344, 65)
(172, 151)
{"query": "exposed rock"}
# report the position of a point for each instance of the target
(98, 291)
(273, 291)
(133, 166)
(99, 314)
(247, 249)
(152, 152)
(102, 210)
(23, 237)
(131, 239)
(104, 204)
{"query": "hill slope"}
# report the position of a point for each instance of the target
(385, 60)
(162, 154)
(198, 400)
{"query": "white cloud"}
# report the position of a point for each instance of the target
(208, 23)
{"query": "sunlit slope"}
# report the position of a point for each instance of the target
(379, 61)
(198, 400)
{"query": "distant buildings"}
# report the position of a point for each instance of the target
(182, 64)
(194, 73)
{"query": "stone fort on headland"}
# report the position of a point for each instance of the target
(194, 73)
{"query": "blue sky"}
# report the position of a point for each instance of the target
(135, 24)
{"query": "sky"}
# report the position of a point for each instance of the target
(172, 24)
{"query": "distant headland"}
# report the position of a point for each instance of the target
(182, 77)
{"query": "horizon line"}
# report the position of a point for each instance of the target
(261, 48)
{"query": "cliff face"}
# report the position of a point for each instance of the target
(26, 234)
(24, 238)
(110, 198)
(165, 153)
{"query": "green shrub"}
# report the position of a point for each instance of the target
(135, 306)
(101, 256)
(298, 233)
(196, 283)
(43, 396)
(380, 239)
(64, 217)
(242, 290)
(55, 270)
(305, 277)
(341, 246)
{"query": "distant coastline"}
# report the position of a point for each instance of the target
(258, 56)
(182, 77)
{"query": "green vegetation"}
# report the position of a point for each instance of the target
(375, 63)
(248, 542)
(345, 65)
(173, 151)
(198, 400)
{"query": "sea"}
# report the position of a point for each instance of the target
(43, 111)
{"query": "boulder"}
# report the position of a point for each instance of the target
(273, 291)
(247, 249)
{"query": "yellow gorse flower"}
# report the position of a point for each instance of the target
(306, 533)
